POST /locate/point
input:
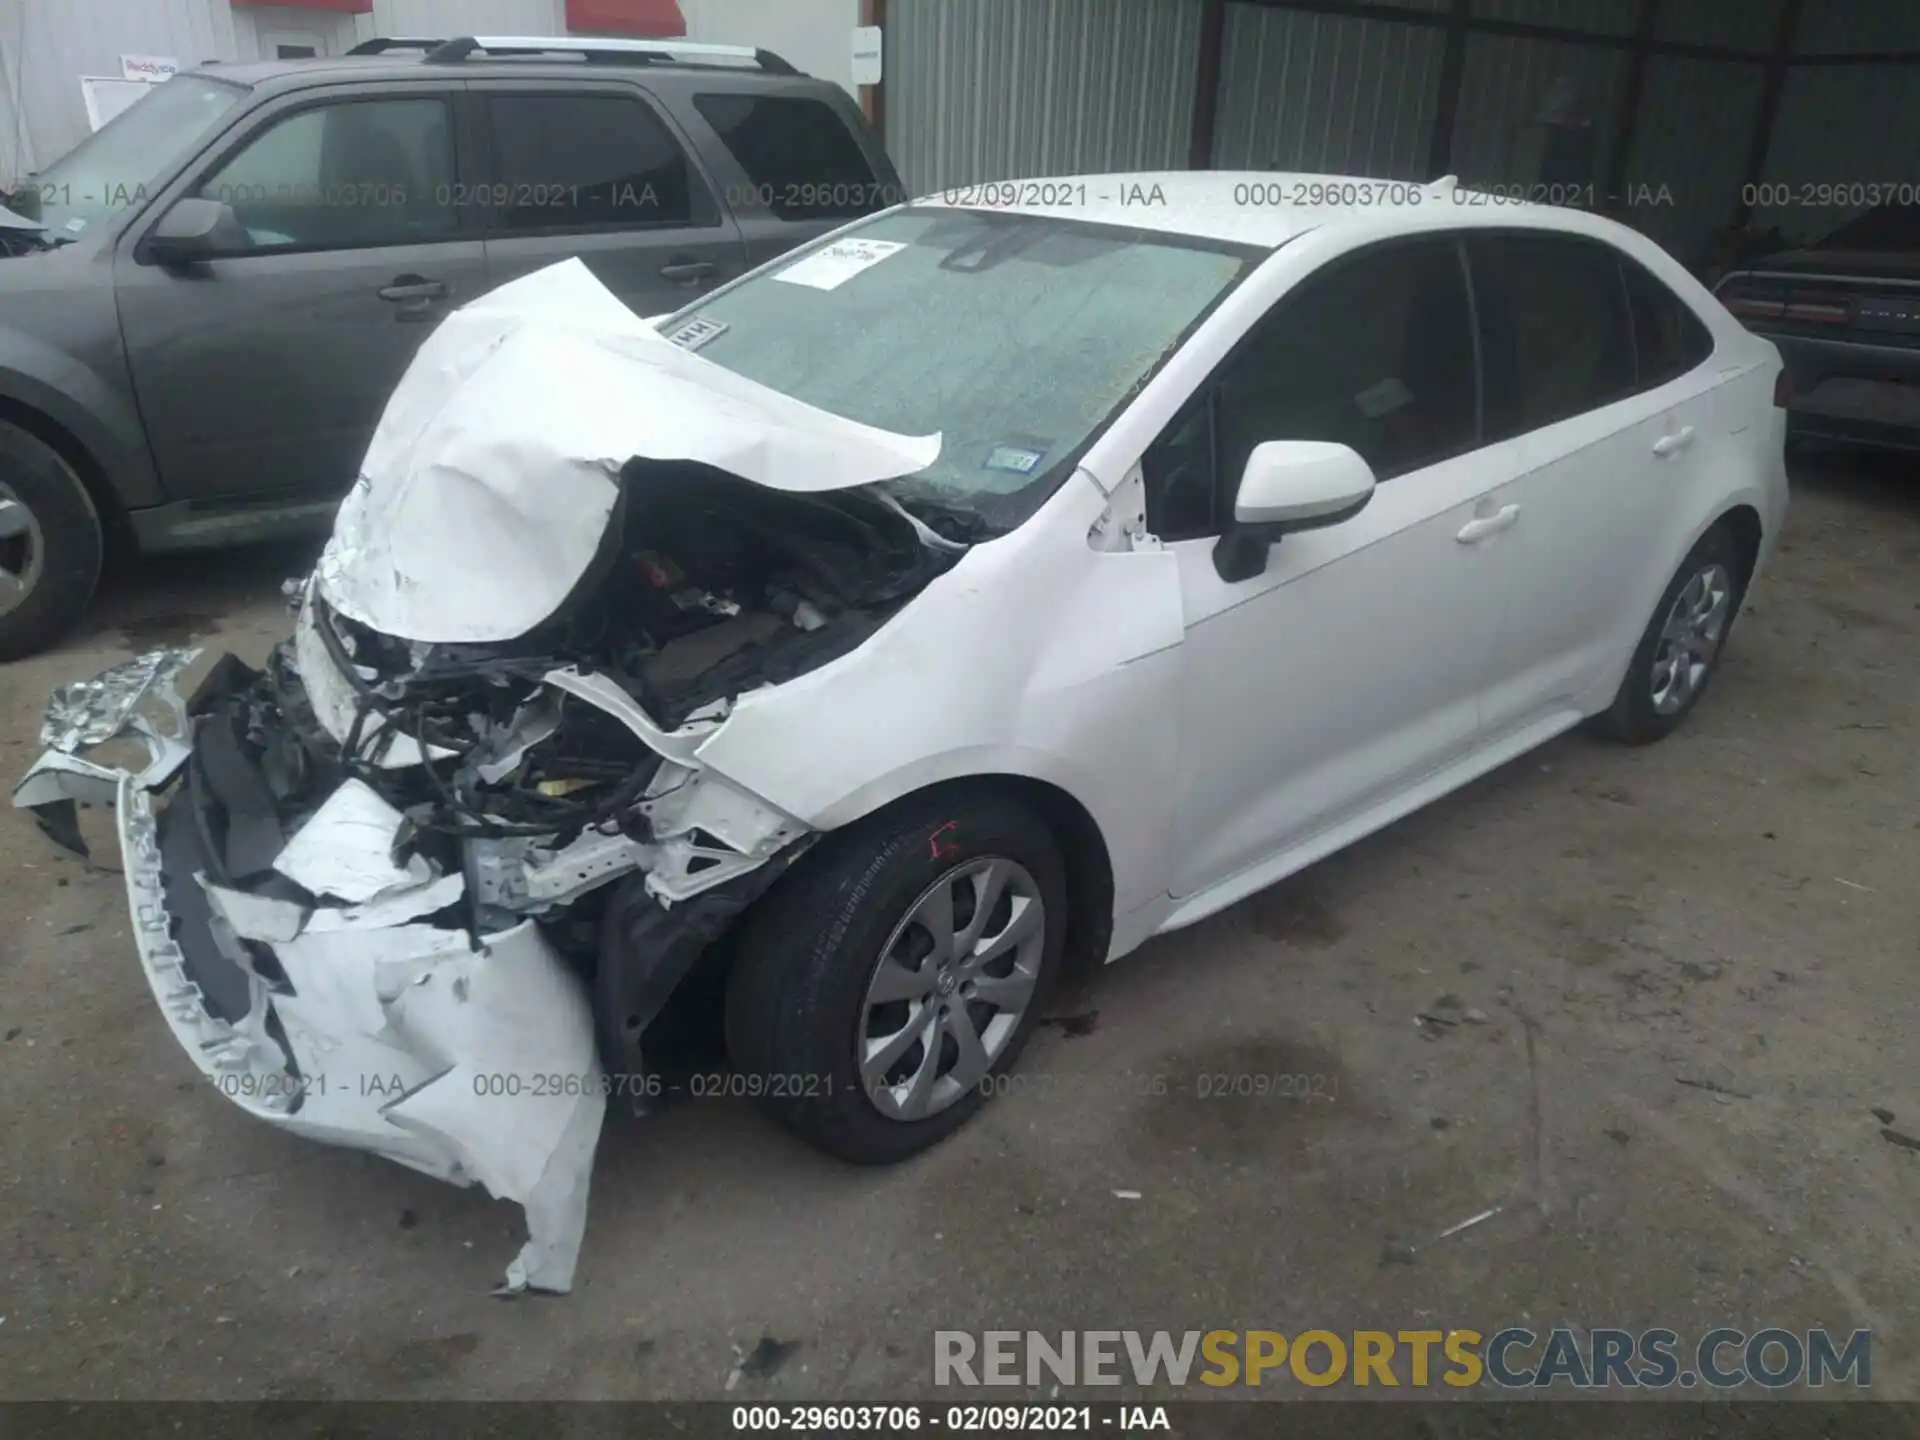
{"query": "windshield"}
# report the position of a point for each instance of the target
(1014, 336)
(121, 164)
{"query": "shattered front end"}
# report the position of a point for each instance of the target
(420, 884)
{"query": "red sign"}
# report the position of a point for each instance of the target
(649, 19)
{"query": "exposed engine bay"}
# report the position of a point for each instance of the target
(420, 883)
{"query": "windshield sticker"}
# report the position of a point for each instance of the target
(696, 332)
(832, 267)
(75, 225)
(1019, 459)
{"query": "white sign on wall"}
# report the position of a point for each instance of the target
(150, 68)
(866, 54)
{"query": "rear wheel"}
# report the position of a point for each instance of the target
(1681, 647)
(50, 544)
(882, 988)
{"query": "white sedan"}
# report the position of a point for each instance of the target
(965, 598)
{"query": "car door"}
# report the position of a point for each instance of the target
(602, 174)
(1602, 455)
(1353, 665)
(263, 372)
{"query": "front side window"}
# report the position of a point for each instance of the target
(1375, 352)
(358, 174)
(1668, 338)
(1015, 337)
(1555, 333)
(800, 157)
(588, 162)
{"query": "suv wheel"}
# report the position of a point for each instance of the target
(50, 544)
(883, 987)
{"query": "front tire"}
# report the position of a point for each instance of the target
(50, 544)
(1681, 647)
(883, 986)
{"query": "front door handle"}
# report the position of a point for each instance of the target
(686, 270)
(1678, 440)
(1476, 530)
(413, 296)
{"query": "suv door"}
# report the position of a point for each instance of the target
(1606, 430)
(602, 174)
(262, 373)
(1354, 664)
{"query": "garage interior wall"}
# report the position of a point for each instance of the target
(997, 89)
(1001, 89)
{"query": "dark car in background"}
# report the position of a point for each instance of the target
(1845, 313)
(205, 305)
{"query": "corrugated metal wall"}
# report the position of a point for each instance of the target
(1510, 85)
(1325, 93)
(1846, 126)
(1689, 144)
(998, 89)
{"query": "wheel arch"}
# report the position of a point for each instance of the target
(1083, 851)
(85, 465)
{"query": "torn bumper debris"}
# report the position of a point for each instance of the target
(364, 1024)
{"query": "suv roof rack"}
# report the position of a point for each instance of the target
(642, 52)
(380, 45)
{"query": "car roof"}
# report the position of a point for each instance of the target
(412, 65)
(1260, 208)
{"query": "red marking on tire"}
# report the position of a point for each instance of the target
(943, 849)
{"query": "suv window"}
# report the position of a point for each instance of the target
(803, 162)
(1668, 338)
(356, 174)
(588, 162)
(1555, 334)
(1375, 352)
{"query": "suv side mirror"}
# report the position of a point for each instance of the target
(195, 230)
(1289, 485)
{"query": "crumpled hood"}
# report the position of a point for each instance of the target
(494, 471)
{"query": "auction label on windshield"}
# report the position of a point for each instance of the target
(832, 266)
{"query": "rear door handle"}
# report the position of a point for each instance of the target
(1474, 531)
(1679, 440)
(686, 270)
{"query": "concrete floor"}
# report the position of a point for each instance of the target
(1733, 908)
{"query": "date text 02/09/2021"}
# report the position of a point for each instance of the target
(952, 1419)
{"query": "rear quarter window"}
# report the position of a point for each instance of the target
(801, 160)
(1668, 338)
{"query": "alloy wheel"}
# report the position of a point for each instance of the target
(22, 551)
(951, 984)
(1690, 638)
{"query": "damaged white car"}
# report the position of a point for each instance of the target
(963, 599)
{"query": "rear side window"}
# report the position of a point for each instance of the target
(1375, 352)
(1555, 333)
(801, 160)
(588, 162)
(1668, 338)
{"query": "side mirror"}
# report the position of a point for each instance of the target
(195, 230)
(1289, 485)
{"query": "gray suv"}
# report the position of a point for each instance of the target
(208, 302)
